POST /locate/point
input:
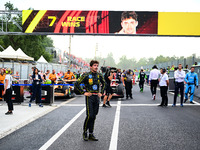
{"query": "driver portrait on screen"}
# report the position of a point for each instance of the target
(128, 22)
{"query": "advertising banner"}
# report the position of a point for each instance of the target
(111, 22)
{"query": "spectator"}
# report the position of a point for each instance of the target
(186, 67)
(172, 68)
(47, 74)
(8, 91)
(195, 64)
(16, 77)
(2, 78)
(36, 87)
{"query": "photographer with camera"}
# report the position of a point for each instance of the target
(109, 92)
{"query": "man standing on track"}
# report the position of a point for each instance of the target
(92, 81)
(191, 79)
(153, 80)
(179, 76)
(164, 83)
(127, 78)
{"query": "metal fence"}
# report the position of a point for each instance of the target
(25, 69)
(184, 61)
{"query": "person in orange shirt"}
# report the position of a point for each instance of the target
(53, 77)
(69, 75)
(2, 78)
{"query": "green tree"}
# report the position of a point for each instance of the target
(109, 60)
(125, 63)
(32, 45)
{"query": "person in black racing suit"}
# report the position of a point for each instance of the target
(92, 81)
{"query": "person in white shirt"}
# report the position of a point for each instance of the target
(163, 83)
(153, 80)
(179, 76)
(8, 91)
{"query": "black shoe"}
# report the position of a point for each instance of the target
(160, 105)
(92, 137)
(85, 136)
(104, 105)
(9, 113)
(108, 103)
(185, 100)
(131, 97)
(192, 102)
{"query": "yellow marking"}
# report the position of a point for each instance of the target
(53, 20)
(25, 15)
(178, 23)
(35, 21)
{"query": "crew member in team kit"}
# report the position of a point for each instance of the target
(142, 77)
(53, 77)
(69, 75)
(109, 92)
(191, 80)
(92, 81)
(127, 78)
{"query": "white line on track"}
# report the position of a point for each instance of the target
(114, 137)
(126, 105)
(61, 131)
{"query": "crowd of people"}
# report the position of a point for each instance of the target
(7, 78)
(94, 81)
(98, 84)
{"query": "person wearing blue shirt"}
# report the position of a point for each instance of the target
(191, 79)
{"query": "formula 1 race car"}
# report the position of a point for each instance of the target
(116, 84)
(64, 88)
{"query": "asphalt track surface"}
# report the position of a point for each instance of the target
(137, 124)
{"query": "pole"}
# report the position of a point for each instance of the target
(96, 49)
(70, 39)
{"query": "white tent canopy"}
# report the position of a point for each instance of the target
(42, 60)
(22, 55)
(9, 53)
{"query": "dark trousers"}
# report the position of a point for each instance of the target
(163, 93)
(1, 90)
(154, 84)
(128, 87)
(179, 86)
(36, 91)
(7, 98)
(141, 84)
(92, 109)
